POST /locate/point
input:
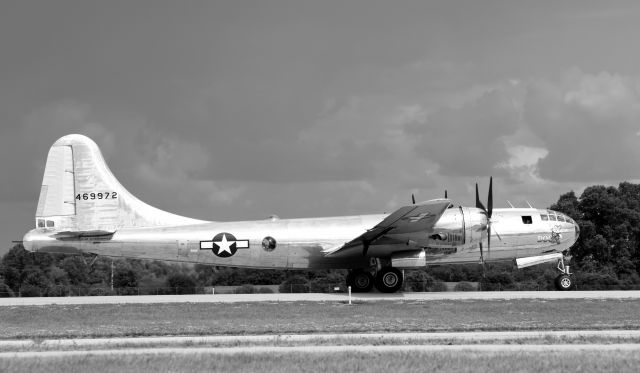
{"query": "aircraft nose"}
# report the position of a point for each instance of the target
(577, 229)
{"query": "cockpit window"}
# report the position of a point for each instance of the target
(544, 217)
(552, 217)
(527, 220)
(560, 217)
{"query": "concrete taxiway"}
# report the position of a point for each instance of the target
(353, 338)
(320, 297)
(329, 343)
(254, 350)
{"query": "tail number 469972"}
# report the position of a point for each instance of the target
(96, 195)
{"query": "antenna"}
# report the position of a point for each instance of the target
(510, 204)
(529, 204)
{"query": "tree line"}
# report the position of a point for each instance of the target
(606, 256)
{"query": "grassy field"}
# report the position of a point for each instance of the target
(565, 362)
(80, 321)
(310, 317)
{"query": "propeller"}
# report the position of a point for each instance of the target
(489, 212)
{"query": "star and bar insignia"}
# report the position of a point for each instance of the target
(417, 218)
(224, 244)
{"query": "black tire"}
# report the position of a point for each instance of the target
(360, 281)
(564, 283)
(389, 280)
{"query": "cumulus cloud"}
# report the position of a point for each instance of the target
(152, 164)
(370, 148)
(589, 125)
(468, 140)
(347, 142)
(522, 165)
(24, 151)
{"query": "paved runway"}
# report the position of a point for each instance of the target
(298, 339)
(253, 350)
(512, 341)
(321, 297)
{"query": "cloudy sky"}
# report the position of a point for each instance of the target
(227, 110)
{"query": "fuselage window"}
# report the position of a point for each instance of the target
(269, 243)
(49, 223)
(544, 217)
(40, 223)
(527, 220)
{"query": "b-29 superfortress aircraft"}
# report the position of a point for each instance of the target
(83, 209)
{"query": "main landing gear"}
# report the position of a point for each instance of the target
(386, 280)
(564, 281)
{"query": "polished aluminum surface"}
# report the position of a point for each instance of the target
(84, 209)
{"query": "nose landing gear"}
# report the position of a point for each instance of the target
(564, 281)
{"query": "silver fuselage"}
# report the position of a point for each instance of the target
(304, 243)
(83, 209)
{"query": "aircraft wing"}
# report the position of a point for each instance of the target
(418, 218)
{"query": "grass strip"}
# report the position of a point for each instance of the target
(130, 320)
(77, 344)
(373, 361)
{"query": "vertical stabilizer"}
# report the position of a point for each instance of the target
(79, 193)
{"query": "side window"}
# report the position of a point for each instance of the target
(544, 217)
(40, 223)
(527, 220)
(50, 224)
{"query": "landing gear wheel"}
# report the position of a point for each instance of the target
(564, 282)
(388, 280)
(360, 281)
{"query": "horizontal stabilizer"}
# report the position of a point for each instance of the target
(80, 234)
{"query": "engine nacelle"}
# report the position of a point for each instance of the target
(460, 227)
(409, 259)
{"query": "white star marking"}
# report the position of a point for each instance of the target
(416, 218)
(224, 245)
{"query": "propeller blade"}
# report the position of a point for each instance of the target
(413, 198)
(445, 194)
(478, 203)
(490, 198)
(498, 235)
(490, 206)
(484, 269)
(489, 239)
